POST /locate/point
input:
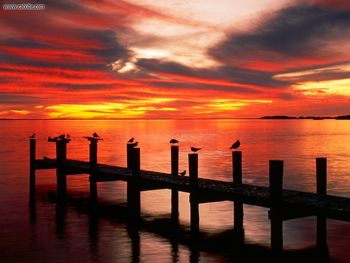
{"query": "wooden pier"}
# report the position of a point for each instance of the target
(283, 204)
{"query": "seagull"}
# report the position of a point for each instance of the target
(95, 135)
(32, 136)
(68, 136)
(134, 144)
(235, 145)
(182, 173)
(50, 139)
(131, 140)
(194, 149)
(173, 141)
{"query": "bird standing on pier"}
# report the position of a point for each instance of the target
(194, 149)
(173, 141)
(95, 135)
(235, 145)
(131, 140)
(32, 136)
(182, 173)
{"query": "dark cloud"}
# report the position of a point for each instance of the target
(17, 99)
(112, 50)
(227, 73)
(294, 31)
(167, 67)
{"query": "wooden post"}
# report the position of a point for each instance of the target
(276, 184)
(237, 179)
(134, 196)
(61, 156)
(321, 176)
(32, 154)
(129, 148)
(93, 166)
(276, 230)
(321, 185)
(237, 167)
(175, 173)
(276, 180)
(193, 172)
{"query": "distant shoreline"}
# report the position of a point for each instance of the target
(282, 117)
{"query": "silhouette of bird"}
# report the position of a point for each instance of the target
(173, 141)
(50, 139)
(32, 136)
(68, 136)
(182, 173)
(95, 135)
(235, 145)
(194, 149)
(131, 140)
(134, 144)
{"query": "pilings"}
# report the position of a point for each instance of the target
(32, 154)
(237, 179)
(133, 191)
(93, 166)
(201, 190)
(174, 149)
(321, 190)
(276, 184)
(61, 157)
(193, 173)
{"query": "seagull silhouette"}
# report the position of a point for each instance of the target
(173, 141)
(131, 140)
(235, 145)
(68, 136)
(32, 136)
(194, 149)
(95, 135)
(50, 139)
(182, 173)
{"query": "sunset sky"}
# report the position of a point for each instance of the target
(175, 59)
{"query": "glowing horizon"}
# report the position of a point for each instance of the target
(172, 59)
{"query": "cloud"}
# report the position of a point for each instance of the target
(303, 31)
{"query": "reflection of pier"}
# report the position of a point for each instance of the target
(283, 204)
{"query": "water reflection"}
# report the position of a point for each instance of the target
(297, 142)
(226, 245)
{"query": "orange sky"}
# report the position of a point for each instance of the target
(175, 59)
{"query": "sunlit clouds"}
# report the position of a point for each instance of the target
(175, 59)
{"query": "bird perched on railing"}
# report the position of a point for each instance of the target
(194, 149)
(235, 145)
(94, 137)
(182, 173)
(131, 140)
(173, 141)
(32, 136)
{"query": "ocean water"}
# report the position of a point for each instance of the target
(50, 232)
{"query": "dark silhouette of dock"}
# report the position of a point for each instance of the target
(282, 204)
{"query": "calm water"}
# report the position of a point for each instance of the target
(69, 234)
